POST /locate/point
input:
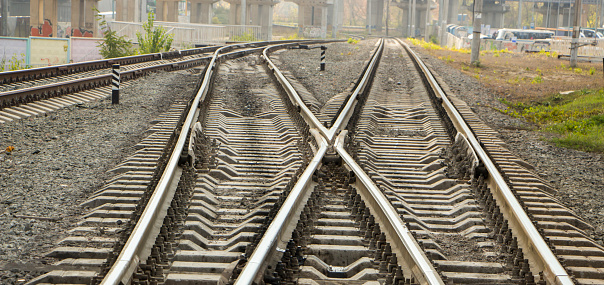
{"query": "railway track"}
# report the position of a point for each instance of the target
(392, 183)
(36, 91)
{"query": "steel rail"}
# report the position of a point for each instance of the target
(346, 112)
(138, 245)
(50, 71)
(278, 232)
(294, 97)
(29, 94)
(280, 228)
(400, 237)
(142, 238)
(535, 247)
(307, 114)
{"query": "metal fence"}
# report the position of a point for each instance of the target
(189, 34)
(593, 48)
(563, 47)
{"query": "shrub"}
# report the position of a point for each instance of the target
(113, 45)
(155, 39)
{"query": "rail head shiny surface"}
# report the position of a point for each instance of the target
(344, 116)
(420, 263)
(141, 238)
(411, 253)
(306, 113)
(287, 215)
(552, 269)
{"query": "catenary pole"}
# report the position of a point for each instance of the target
(476, 32)
(576, 31)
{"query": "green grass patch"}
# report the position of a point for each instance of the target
(578, 118)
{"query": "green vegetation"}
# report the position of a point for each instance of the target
(246, 37)
(433, 46)
(293, 37)
(113, 45)
(537, 80)
(448, 59)
(155, 39)
(14, 63)
(548, 54)
(577, 118)
(352, 41)
(221, 15)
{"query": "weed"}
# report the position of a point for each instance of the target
(425, 45)
(578, 70)
(155, 39)
(352, 41)
(537, 80)
(14, 63)
(113, 45)
(448, 59)
(293, 37)
(592, 71)
(578, 118)
(245, 37)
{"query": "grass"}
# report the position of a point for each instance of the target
(577, 118)
(527, 80)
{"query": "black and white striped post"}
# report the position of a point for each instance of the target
(115, 85)
(323, 49)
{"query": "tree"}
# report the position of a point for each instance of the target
(155, 39)
(113, 45)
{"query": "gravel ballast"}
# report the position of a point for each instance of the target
(62, 157)
(578, 176)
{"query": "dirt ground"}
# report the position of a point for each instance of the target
(525, 76)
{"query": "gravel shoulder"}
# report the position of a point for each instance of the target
(344, 63)
(578, 176)
(62, 157)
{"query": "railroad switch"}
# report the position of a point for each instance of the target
(331, 156)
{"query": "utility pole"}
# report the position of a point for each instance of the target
(413, 21)
(244, 13)
(335, 20)
(409, 20)
(476, 32)
(574, 44)
(427, 30)
(387, 15)
(520, 14)
(369, 17)
(4, 23)
(443, 22)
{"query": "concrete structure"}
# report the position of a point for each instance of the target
(43, 17)
(326, 14)
(125, 10)
(201, 11)
(375, 15)
(493, 13)
(253, 12)
(83, 18)
(556, 14)
(166, 10)
(416, 16)
(316, 13)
